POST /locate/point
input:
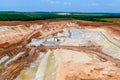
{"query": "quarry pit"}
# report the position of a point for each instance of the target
(60, 50)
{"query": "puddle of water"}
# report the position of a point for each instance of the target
(50, 43)
(76, 34)
(37, 61)
(36, 42)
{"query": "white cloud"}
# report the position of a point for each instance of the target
(51, 1)
(94, 4)
(67, 3)
(57, 2)
(54, 2)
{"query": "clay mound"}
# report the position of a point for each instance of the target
(88, 71)
(12, 34)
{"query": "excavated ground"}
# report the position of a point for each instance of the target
(80, 50)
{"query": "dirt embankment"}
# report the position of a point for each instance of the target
(14, 23)
(114, 27)
(81, 22)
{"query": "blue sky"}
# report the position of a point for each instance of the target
(61, 5)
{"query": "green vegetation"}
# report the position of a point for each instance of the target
(110, 19)
(26, 16)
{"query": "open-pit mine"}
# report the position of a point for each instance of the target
(60, 50)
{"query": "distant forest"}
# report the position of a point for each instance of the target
(27, 16)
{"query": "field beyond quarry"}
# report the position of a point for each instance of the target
(111, 19)
(29, 16)
(59, 50)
